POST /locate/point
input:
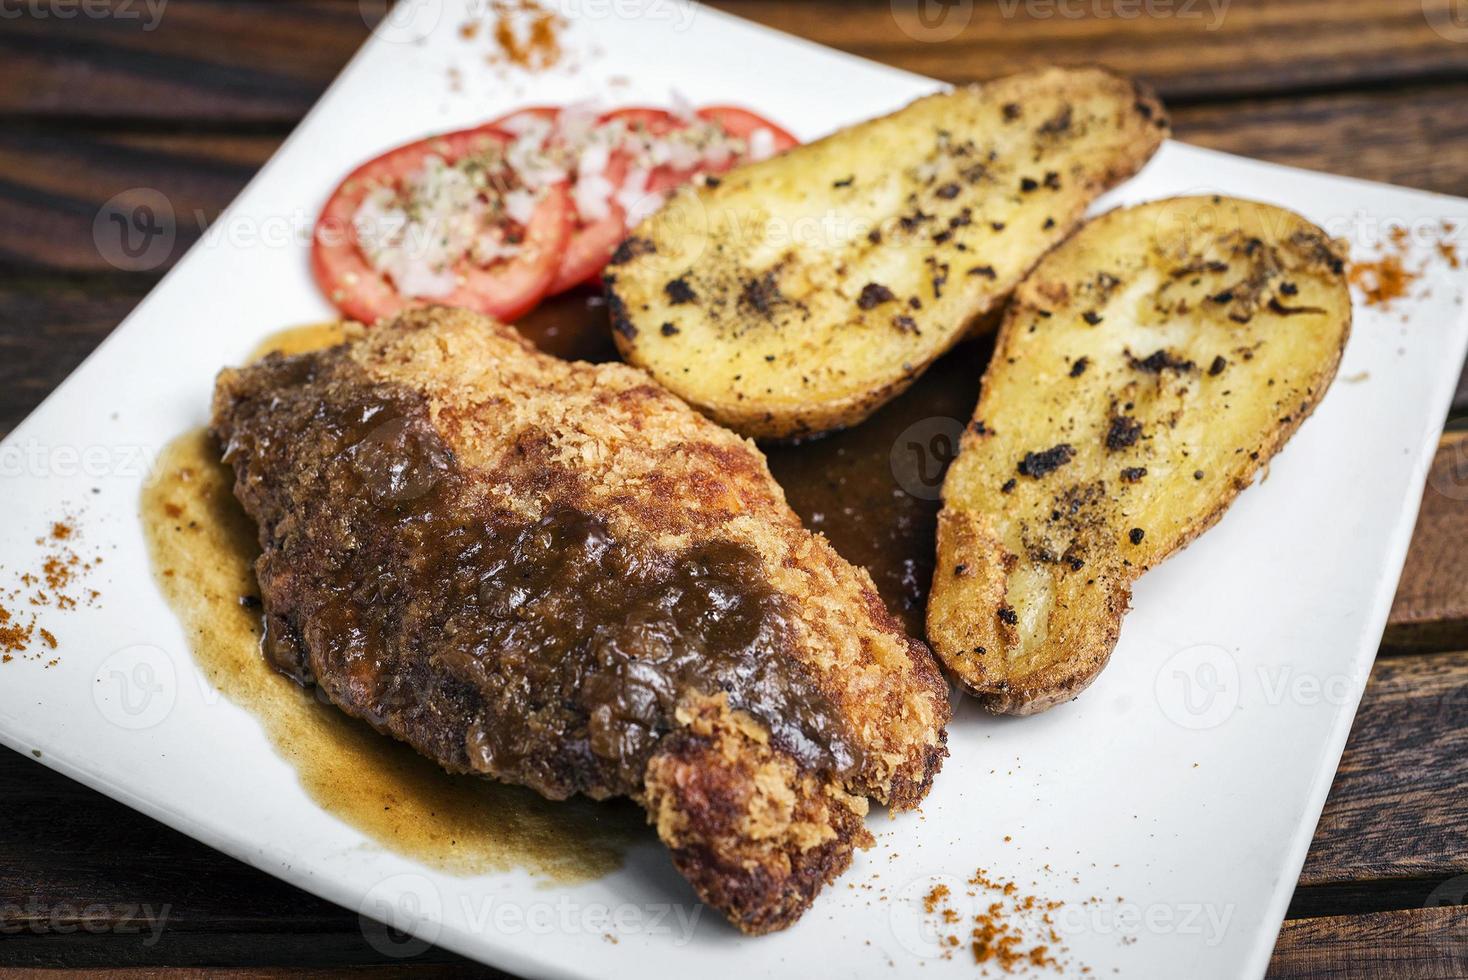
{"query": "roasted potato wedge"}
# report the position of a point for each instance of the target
(1143, 374)
(798, 294)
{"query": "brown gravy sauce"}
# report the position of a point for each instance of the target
(872, 490)
(203, 550)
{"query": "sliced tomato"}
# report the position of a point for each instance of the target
(743, 124)
(657, 122)
(590, 244)
(587, 253)
(508, 290)
(505, 290)
(508, 120)
(593, 244)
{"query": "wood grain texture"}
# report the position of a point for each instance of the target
(1190, 51)
(264, 63)
(1397, 808)
(1459, 418)
(1414, 137)
(1430, 611)
(1411, 944)
(85, 881)
(47, 326)
(404, 971)
(53, 186)
(215, 61)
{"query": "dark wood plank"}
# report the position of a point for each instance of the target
(1404, 136)
(1397, 809)
(54, 186)
(1370, 895)
(1251, 48)
(47, 326)
(261, 953)
(406, 971)
(217, 62)
(415, 970)
(1431, 608)
(1412, 944)
(85, 881)
(264, 63)
(105, 863)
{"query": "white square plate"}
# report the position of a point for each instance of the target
(1182, 789)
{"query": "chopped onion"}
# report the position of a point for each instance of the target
(592, 195)
(593, 160)
(419, 234)
(762, 144)
(682, 107)
(634, 198)
(576, 122)
(520, 205)
(524, 122)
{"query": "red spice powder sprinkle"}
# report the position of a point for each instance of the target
(14, 637)
(526, 34)
(1382, 281)
(1386, 278)
(49, 585)
(1013, 933)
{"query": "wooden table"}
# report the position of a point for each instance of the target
(94, 105)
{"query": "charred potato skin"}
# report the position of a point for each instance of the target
(934, 227)
(1152, 418)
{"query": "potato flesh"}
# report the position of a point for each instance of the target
(821, 282)
(1205, 331)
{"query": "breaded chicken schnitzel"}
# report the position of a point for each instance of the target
(557, 574)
